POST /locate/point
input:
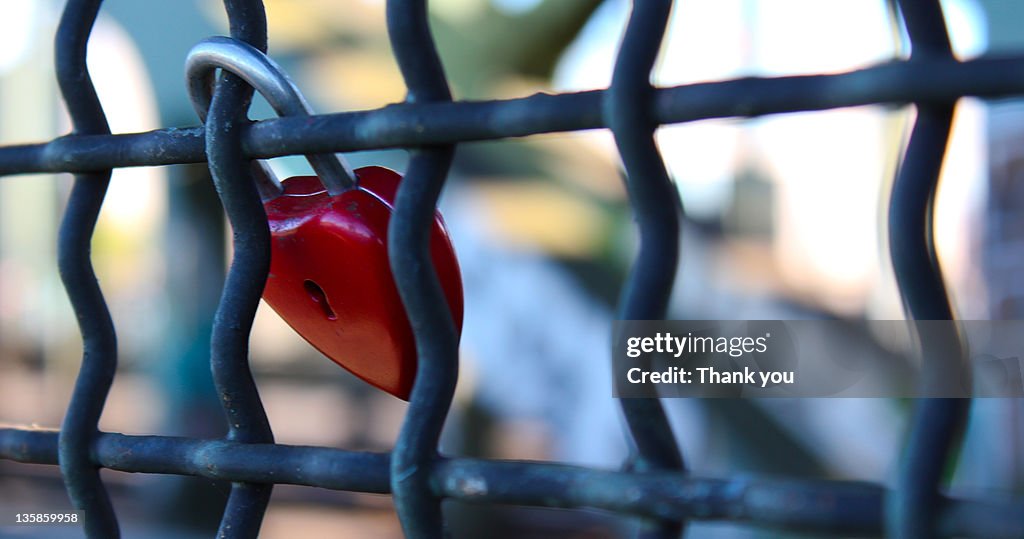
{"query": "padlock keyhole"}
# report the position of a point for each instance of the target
(319, 297)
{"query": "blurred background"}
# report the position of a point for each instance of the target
(785, 220)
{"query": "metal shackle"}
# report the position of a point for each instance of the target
(263, 74)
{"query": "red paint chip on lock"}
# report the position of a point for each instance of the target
(330, 279)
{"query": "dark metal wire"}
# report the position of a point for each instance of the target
(848, 508)
(922, 80)
(99, 342)
(232, 323)
(630, 116)
(429, 123)
(437, 346)
(936, 423)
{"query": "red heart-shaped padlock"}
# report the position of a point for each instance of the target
(329, 273)
(331, 282)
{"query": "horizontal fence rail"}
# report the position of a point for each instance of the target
(833, 507)
(412, 124)
(654, 486)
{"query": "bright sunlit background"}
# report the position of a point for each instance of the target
(785, 220)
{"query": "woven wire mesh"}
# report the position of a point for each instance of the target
(656, 488)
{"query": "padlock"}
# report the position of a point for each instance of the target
(330, 278)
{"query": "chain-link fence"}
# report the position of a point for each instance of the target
(655, 487)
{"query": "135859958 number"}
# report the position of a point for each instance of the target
(46, 518)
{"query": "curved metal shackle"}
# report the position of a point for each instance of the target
(276, 87)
